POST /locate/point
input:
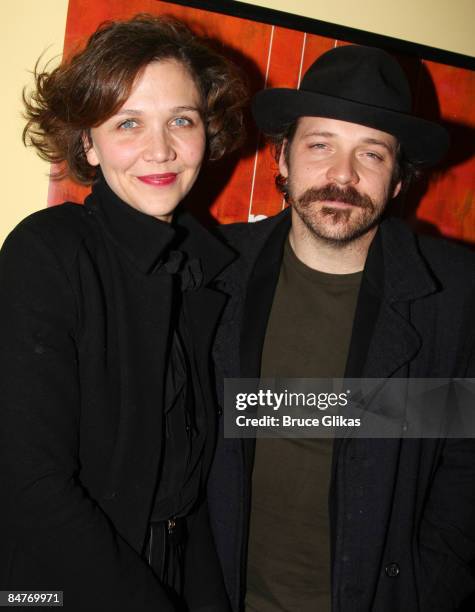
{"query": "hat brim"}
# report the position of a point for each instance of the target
(422, 141)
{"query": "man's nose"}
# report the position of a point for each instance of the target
(342, 170)
(159, 146)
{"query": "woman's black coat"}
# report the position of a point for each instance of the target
(84, 319)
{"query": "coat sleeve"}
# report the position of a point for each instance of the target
(54, 536)
(447, 535)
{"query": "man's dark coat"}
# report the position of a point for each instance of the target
(84, 328)
(402, 513)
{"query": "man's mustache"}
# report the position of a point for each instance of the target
(333, 193)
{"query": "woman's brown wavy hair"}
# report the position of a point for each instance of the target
(93, 84)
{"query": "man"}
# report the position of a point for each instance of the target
(331, 288)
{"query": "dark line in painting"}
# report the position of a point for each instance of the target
(330, 30)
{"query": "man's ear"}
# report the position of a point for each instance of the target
(396, 189)
(89, 150)
(283, 167)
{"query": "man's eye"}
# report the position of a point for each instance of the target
(181, 121)
(318, 145)
(373, 155)
(128, 124)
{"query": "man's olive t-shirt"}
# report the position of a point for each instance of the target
(307, 336)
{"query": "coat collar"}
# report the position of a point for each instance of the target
(395, 273)
(383, 338)
(260, 294)
(394, 266)
(146, 240)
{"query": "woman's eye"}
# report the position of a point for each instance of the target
(128, 124)
(181, 121)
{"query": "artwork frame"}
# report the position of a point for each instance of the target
(328, 29)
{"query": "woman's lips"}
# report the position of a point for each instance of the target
(158, 180)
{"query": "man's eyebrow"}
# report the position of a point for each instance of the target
(381, 143)
(320, 134)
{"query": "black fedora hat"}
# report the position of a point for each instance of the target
(361, 85)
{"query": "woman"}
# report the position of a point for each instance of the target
(107, 313)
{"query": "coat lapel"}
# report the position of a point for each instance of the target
(143, 311)
(257, 306)
(203, 308)
(383, 344)
(383, 340)
(260, 295)
(202, 311)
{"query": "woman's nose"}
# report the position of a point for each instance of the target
(158, 147)
(342, 170)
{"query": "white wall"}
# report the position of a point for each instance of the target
(29, 28)
(445, 24)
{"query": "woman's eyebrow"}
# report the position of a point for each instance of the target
(175, 109)
(129, 111)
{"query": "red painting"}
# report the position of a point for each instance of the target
(242, 188)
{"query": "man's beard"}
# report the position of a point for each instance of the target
(338, 226)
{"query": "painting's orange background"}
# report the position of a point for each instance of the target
(242, 188)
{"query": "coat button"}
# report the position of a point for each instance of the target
(392, 570)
